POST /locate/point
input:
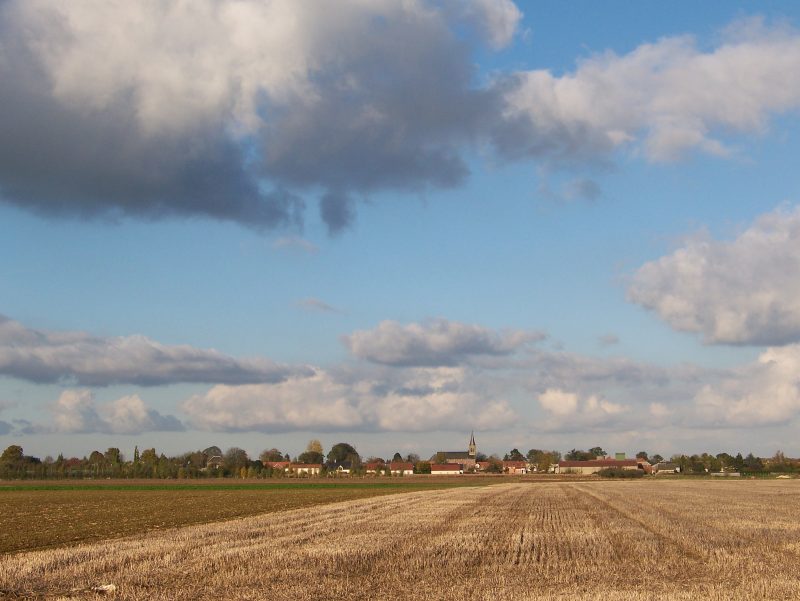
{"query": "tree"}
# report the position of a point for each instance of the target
(422, 467)
(271, 455)
(642, 455)
(343, 451)
(235, 459)
(12, 455)
(313, 453)
(397, 457)
(412, 458)
(656, 458)
(597, 452)
(577, 455)
(515, 455)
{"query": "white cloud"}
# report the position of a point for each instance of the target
(567, 411)
(763, 393)
(75, 411)
(746, 291)
(51, 356)
(668, 96)
(430, 399)
(433, 343)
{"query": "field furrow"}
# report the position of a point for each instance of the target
(600, 540)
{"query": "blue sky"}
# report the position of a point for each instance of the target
(556, 224)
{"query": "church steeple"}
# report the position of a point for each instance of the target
(473, 450)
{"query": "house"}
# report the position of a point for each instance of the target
(401, 468)
(215, 462)
(446, 469)
(515, 467)
(666, 467)
(482, 466)
(310, 469)
(595, 465)
(373, 466)
(340, 467)
(278, 466)
(466, 459)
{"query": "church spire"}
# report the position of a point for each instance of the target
(473, 449)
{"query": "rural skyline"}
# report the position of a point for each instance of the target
(250, 224)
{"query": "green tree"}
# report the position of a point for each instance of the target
(515, 455)
(343, 451)
(234, 460)
(397, 457)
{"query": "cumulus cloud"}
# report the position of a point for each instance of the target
(51, 356)
(430, 399)
(764, 393)
(745, 291)
(435, 342)
(75, 411)
(664, 98)
(222, 109)
(567, 411)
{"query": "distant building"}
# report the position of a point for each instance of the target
(466, 459)
(515, 467)
(311, 469)
(446, 469)
(401, 468)
(666, 467)
(277, 465)
(595, 465)
(373, 466)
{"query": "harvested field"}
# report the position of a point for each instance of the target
(591, 540)
(68, 512)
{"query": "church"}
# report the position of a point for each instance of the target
(464, 458)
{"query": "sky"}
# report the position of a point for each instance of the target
(252, 223)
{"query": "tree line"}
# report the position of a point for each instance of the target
(213, 462)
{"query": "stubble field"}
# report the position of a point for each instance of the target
(587, 540)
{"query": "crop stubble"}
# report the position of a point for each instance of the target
(640, 540)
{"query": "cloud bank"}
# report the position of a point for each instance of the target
(41, 356)
(430, 399)
(437, 342)
(745, 291)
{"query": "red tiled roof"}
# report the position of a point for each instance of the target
(305, 465)
(445, 467)
(373, 465)
(515, 464)
(401, 465)
(274, 464)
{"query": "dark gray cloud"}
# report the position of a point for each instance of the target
(437, 342)
(44, 357)
(106, 114)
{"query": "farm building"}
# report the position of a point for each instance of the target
(666, 467)
(277, 465)
(595, 465)
(515, 467)
(401, 468)
(311, 469)
(446, 469)
(373, 466)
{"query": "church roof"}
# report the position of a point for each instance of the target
(456, 454)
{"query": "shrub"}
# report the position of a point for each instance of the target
(616, 472)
